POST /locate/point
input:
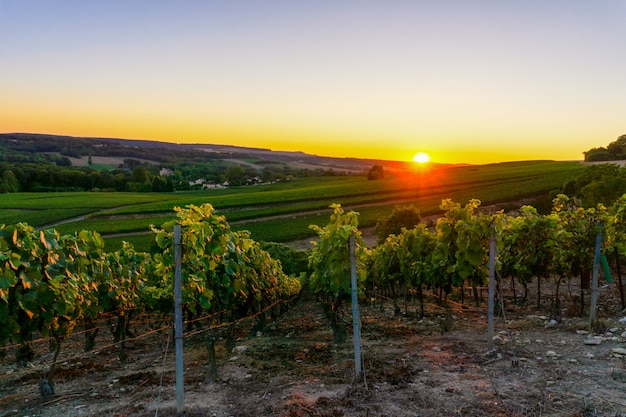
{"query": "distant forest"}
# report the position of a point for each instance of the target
(35, 162)
(615, 151)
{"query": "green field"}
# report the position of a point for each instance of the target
(283, 211)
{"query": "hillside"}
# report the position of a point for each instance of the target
(29, 147)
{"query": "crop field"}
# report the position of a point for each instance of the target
(100, 323)
(283, 211)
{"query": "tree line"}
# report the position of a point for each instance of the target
(615, 151)
(34, 162)
(136, 176)
(31, 177)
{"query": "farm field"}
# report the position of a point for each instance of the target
(282, 212)
(294, 369)
(277, 353)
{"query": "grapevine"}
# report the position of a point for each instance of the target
(51, 283)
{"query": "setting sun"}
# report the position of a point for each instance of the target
(421, 157)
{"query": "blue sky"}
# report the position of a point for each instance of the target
(465, 81)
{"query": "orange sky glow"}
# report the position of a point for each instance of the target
(465, 82)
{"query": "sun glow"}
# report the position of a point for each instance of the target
(421, 157)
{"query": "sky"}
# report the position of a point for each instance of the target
(474, 81)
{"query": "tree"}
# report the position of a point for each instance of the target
(9, 183)
(375, 173)
(618, 148)
(162, 184)
(597, 154)
(402, 217)
(236, 175)
(603, 183)
(614, 151)
(140, 174)
(140, 180)
(64, 162)
(294, 262)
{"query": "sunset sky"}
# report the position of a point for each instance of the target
(472, 81)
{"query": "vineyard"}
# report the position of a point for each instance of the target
(255, 330)
(51, 283)
(283, 211)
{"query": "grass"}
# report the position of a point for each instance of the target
(52, 201)
(115, 226)
(41, 217)
(285, 229)
(283, 211)
(142, 242)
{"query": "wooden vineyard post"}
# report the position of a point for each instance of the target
(178, 321)
(492, 281)
(594, 282)
(355, 310)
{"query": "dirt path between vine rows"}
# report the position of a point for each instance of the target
(294, 369)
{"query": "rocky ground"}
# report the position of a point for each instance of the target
(411, 368)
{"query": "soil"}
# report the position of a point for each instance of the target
(411, 367)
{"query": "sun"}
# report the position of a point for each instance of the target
(421, 157)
